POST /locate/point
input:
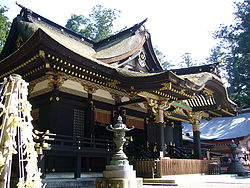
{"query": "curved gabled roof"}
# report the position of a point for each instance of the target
(118, 47)
(122, 49)
(31, 32)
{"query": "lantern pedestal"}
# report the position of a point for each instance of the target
(119, 174)
(235, 167)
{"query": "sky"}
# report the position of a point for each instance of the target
(176, 26)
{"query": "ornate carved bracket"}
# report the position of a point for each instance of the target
(158, 108)
(88, 88)
(56, 79)
(116, 97)
(195, 118)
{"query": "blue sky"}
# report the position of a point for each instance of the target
(176, 26)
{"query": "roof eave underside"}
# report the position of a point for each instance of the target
(43, 40)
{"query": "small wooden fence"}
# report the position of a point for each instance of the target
(163, 166)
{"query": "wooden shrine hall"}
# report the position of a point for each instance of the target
(77, 87)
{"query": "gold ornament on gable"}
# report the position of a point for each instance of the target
(19, 41)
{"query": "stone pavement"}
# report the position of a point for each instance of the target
(207, 181)
(57, 180)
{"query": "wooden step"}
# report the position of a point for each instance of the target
(157, 180)
(161, 184)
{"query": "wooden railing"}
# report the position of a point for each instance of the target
(65, 142)
(164, 166)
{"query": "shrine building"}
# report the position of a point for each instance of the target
(77, 87)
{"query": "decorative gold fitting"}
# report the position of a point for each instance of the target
(47, 65)
(166, 86)
(42, 53)
(114, 83)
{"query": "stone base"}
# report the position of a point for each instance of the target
(119, 183)
(118, 171)
(236, 168)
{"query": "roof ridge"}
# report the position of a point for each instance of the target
(29, 15)
(130, 30)
(212, 68)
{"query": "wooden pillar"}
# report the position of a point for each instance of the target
(41, 164)
(89, 128)
(87, 164)
(151, 132)
(160, 130)
(197, 145)
(169, 132)
(169, 137)
(177, 133)
(158, 108)
(196, 135)
(78, 165)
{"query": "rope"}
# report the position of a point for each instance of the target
(16, 123)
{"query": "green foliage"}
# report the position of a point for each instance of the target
(235, 39)
(216, 55)
(4, 26)
(97, 26)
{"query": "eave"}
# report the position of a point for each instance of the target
(217, 104)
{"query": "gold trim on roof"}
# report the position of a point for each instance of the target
(227, 112)
(214, 113)
(23, 65)
(168, 86)
(165, 95)
(77, 68)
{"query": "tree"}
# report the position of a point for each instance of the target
(187, 60)
(162, 58)
(216, 55)
(235, 39)
(4, 26)
(97, 25)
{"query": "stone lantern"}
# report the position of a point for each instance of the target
(119, 174)
(235, 167)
